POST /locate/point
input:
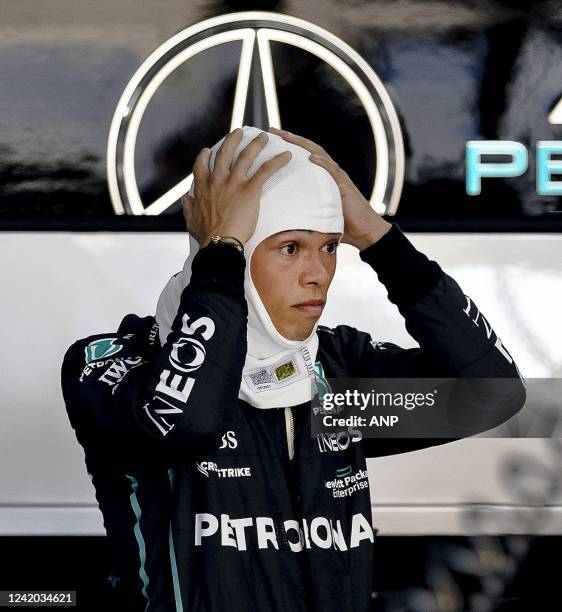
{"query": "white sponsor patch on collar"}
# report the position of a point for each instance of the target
(286, 371)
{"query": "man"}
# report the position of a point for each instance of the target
(215, 496)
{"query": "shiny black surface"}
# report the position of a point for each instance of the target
(407, 571)
(456, 71)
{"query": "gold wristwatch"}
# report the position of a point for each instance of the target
(228, 240)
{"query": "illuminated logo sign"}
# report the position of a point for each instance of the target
(479, 164)
(255, 31)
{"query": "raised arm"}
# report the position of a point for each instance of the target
(176, 397)
(455, 340)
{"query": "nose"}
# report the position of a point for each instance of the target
(314, 270)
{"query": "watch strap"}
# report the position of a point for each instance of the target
(228, 240)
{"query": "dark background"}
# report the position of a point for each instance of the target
(403, 565)
(456, 71)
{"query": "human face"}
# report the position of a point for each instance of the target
(291, 268)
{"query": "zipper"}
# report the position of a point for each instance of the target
(290, 430)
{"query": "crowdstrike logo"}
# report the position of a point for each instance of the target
(255, 32)
(320, 532)
(208, 468)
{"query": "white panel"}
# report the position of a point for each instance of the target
(495, 519)
(466, 472)
(58, 287)
(57, 521)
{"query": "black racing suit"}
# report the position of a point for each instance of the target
(211, 504)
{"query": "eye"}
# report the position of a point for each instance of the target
(332, 246)
(291, 248)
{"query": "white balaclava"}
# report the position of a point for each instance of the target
(278, 372)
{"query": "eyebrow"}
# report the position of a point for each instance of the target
(281, 235)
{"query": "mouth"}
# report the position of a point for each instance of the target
(311, 307)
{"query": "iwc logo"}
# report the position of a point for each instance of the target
(255, 31)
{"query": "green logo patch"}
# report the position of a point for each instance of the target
(322, 385)
(104, 347)
(343, 472)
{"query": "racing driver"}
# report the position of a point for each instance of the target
(196, 422)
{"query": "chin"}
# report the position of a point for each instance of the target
(301, 334)
(297, 331)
